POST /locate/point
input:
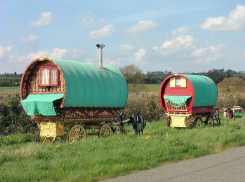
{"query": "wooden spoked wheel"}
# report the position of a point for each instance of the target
(105, 130)
(76, 132)
(209, 121)
(197, 122)
(139, 123)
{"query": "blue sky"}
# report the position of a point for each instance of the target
(178, 36)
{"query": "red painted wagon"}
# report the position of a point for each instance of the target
(188, 97)
(74, 99)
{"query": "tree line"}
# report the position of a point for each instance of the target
(10, 82)
(134, 75)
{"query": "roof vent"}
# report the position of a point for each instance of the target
(100, 47)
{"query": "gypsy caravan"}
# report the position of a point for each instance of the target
(66, 98)
(187, 97)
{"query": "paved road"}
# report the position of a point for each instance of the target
(225, 166)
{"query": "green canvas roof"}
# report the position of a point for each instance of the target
(40, 104)
(206, 93)
(89, 86)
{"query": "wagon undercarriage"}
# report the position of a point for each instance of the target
(49, 130)
(183, 120)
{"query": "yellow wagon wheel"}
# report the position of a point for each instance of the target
(197, 122)
(105, 130)
(76, 132)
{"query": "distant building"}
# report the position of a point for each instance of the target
(241, 72)
(155, 73)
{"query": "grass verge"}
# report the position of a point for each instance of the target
(5, 90)
(95, 159)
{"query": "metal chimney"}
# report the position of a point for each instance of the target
(100, 47)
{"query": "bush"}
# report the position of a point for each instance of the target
(147, 103)
(13, 118)
(230, 98)
(232, 82)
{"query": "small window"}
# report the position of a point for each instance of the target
(48, 75)
(177, 81)
(45, 76)
(54, 76)
(206, 80)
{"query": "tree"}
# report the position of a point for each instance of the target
(215, 75)
(230, 73)
(133, 74)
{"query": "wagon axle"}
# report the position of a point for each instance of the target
(48, 131)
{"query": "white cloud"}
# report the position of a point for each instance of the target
(86, 18)
(155, 48)
(126, 47)
(45, 19)
(31, 38)
(181, 31)
(87, 21)
(102, 22)
(177, 44)
(212, 53)
(234, 21)
(141, 26)
(58, 53)
(4, 52)
(200, 52)
(103, 32)
(219, 48)
(139, 54)
(76, 54)
(29, 57)
(239, 60)
(18, 63)
(115, 63)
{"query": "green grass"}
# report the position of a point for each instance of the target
(152, 87)
(4, 90)
(3, 78)
(95, 159)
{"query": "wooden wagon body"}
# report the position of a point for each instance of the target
(185, 97)
(59, 94)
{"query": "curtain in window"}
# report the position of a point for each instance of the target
(53, 76)
(45, 77)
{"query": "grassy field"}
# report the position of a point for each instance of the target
(92, 159)
(152, 87)
(4, 90)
